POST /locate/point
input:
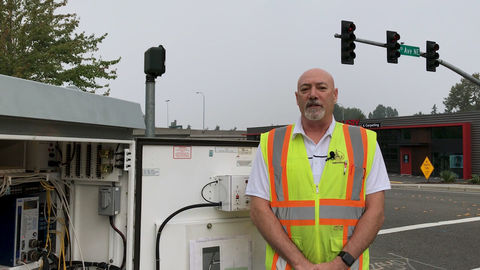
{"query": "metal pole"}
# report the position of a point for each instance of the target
(459, 71)
(203, 125)
(203, 97)
(366, 41)
(150, 106)
(168, 123)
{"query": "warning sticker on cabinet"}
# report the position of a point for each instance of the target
(182, 152)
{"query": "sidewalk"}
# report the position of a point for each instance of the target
(434, 183)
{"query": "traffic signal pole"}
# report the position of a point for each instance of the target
(459, 71)
(370, 42)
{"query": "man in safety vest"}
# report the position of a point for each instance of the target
(317, 187)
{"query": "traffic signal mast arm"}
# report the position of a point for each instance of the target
(374, 43)
(423, 54)
(459, 71)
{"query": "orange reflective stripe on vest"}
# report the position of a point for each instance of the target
(356, 149)
(277, 152)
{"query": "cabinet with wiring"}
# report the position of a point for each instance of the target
(79, 191)
(47, 193)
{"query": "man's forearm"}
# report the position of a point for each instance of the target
(368, 225)
(273, 232)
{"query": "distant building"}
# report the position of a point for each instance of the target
(450, 141)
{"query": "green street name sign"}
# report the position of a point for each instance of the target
(409, 50)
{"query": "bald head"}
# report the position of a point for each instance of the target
(316, 96)
(316, 74)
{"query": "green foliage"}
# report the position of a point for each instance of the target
(341, 113)
(475, 179)
(448, 176)
(38, 43)
(434, 109)
(383, 112)
(463, 97)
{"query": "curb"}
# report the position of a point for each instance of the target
(445, 187)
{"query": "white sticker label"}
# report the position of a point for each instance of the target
(226, 150)
(151, 172)
(244, 150)
(244, 163)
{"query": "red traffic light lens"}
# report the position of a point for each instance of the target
(352, 27)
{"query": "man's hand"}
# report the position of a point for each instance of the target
(336, 264)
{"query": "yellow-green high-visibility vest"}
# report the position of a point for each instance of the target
(318, 219)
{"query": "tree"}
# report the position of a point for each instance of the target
(434, 109)
(38, 43)
(383, 112)
(341, 113)
(463, 97)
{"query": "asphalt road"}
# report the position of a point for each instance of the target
(451, 246)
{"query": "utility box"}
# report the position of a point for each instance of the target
(78, 162)
(108, 201)
(231, 192)
(177, 173)
(57, 147)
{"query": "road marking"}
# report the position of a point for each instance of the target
(397, 263)
(419, 262)
(396, 182)
(428, 225)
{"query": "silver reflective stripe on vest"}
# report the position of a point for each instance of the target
(277, 160)
(294, 213)
(340, 212)
(355, 265)
(350, 231)
(281, 264)
(357, 146)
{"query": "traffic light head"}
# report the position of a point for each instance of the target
(154, 61)
(432, 56)
(348, 44)
(392, 47)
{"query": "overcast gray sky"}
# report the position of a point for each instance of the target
(246, 56)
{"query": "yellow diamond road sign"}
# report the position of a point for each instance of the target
(427, 168)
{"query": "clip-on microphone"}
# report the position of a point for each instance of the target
(332, 156)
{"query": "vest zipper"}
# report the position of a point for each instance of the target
(317, 188)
